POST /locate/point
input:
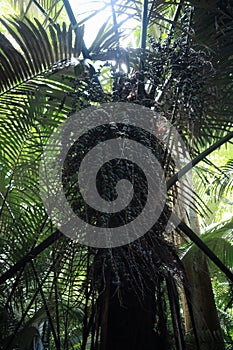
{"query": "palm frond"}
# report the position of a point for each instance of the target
(219, 239)
(38, 50)
(223, 183)
(50, 9)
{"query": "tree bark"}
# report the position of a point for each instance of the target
(203, 303)
(130, 324)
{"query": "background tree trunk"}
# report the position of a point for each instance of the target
(202, 299)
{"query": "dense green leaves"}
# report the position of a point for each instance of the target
(39, 51)
(219, 239)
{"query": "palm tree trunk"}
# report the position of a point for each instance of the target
(202, 299)
(130, 323)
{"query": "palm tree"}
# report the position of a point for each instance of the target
(56, 293)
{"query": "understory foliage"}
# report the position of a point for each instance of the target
(56, 293)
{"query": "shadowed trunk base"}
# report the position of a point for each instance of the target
(130, 324)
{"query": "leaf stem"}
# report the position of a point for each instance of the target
(196, 160)
(143, 47)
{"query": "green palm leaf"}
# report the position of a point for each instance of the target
(39, 51)
(223, 183)
(219, 238)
